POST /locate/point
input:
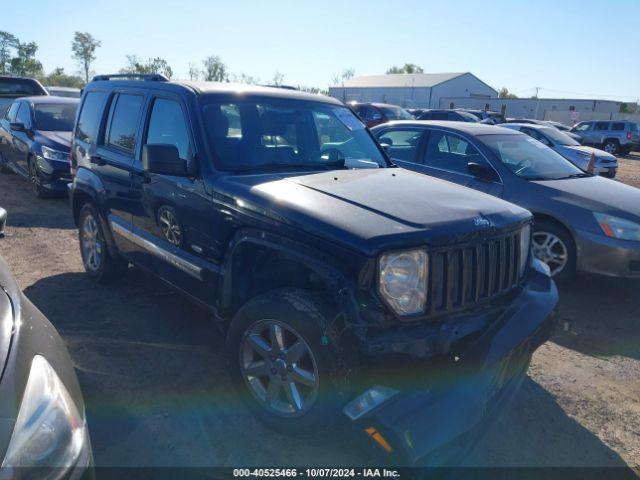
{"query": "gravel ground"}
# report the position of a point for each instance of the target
(152, 370)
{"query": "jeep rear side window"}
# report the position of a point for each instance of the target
(123, 122)
(89, 120)
(167, 126)
(618, 126)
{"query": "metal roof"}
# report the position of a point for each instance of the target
(401, 80)
(466, 127)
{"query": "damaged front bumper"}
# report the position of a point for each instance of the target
(423, 418)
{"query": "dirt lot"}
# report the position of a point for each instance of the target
(152, 369)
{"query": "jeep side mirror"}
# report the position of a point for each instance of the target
(3, 221)
(17, 126)
(164, 159)
(480, 171)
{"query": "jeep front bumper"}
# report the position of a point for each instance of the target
(422, 419)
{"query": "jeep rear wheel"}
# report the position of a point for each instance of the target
(99, 264)
(611, 146)
(282, 364)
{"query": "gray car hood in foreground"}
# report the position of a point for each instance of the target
(8, 288)
(374, 209)
(596, 194)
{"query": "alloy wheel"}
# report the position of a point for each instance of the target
(34, 178)
(610, 147)
(551, 250)
(279, 368)
(91, 243)
(170, 226)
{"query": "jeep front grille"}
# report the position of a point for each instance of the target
(465, 275)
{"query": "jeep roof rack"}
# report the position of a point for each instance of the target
(150, 77)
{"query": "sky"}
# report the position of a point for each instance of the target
(567, 48)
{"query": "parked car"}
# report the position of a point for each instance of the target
(43, 429)
(278, 212)
(488, 116)
(451, 115)
(16, 87)
(69, 92)
(583, 222)
(605, 164)
(615, 137)
(373, 114)
(35, 136)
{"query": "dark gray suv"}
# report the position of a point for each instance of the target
(615, 137)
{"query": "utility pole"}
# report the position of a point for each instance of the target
(537, 102)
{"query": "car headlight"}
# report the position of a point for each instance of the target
(57, 155)
(525, 246)
(617, 227)
(403, 280)
(49, 431)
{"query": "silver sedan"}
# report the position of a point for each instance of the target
(605, 163)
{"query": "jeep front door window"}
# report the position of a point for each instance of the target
(281, 135)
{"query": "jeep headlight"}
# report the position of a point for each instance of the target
(617, 227)
(49, 433)
(403, 281)
(525, 245)
(52, 154)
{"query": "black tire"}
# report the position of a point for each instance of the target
(611, 146)
(107, 267)
(34, 179)
(3, 167)
(547, 226)
(306, 314)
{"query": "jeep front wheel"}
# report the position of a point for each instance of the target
(282, 364)
(99, 264)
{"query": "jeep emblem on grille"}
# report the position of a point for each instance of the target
(482, 222)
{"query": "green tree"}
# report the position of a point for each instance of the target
(341, 77)
(278, 79)
(406, 68)
(24, 63)
(244, 78)
(215, 70)
(194, 72)
(150, 66)
(8, 43)
(59, 78)
(505, 93)
(84, 51)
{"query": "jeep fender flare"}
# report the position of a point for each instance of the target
(339, 287)
(88, 187)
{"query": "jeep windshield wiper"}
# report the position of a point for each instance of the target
(282, 166)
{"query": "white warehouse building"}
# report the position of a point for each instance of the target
(412, 90)
(561, 109)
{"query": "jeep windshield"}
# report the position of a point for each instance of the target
(530, 159)
(285, 134)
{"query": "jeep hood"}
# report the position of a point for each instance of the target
(373, 209)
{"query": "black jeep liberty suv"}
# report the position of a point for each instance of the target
(346, 286)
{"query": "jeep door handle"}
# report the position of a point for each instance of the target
(141, 177)
(97, 160)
